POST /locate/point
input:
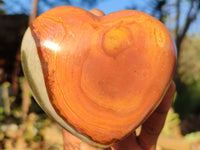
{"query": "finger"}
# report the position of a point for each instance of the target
(126, 144)
(85, 146)
(167, 100)
(97, 12)
(154, 124)
(70, 142)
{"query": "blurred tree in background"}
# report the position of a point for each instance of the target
(179, 16)
(1, 10)
(189, 73)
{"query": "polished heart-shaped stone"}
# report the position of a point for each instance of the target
(98, 77)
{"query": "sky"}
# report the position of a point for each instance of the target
(107, 6)
(110, 6)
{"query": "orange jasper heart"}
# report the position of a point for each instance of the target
(98, 77)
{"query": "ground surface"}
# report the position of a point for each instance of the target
(44, 134)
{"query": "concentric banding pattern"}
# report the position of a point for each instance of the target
(103, 75)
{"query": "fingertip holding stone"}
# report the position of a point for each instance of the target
(85, 146)
(97, 12)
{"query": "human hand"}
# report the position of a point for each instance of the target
(147, 138)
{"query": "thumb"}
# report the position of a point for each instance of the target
(97, 12)
(85, 146)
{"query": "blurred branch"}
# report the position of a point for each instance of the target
(191, 16)
(26, 96)
(89, 2)
(1, 10)
(177, 17)
(33, 11)
(159, 5)
(52, 3)
(6, 99)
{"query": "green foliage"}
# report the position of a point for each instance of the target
(1, 113)
(2, 12)
(192, 137)
(172, 122)
(189, 71)
(189, 62)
